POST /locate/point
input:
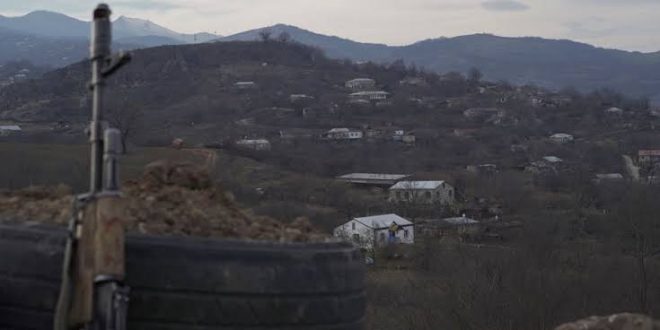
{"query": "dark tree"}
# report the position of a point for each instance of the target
(265, 35)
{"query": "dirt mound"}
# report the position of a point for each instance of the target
(169, 199)
(624, 321)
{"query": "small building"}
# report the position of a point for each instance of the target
(379, 229)
(291, 134)
(368, 96)
(474, 113)
(372, 179)
(609, 177)
(243, 85)
(552, 159)
(361, 84)
(562, 138)
(343, 134)
(424, 192)
(256, 144)
(413, 81)
(648, 157)
(299, 98)
(614, 111)
(458, 228)
(6, 130)
(547, 164)
(482, 169)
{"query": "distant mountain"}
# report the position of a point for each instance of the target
(47, 24)
(52, 39)
(41, 51)
(127, 27)
(51, 24)
(547, 63)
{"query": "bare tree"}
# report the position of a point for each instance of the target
(639, 232)
(127, 120)
(284, 37)
(265, 35)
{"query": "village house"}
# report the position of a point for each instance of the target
(547, 164)
(379, 229)
(372, 179)
(608, 177)
(456, 228)
(562, 138)
(614, 111)
(6, 130)
(482, 169)
(474, 113)
(425, 192)
(400, 135)
(361, 84)
(343, 134)
(256, 144)
(648, 157)
(413, 81)
(368, 96)
(298, 98)
(243, 85)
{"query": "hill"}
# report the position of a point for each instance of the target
(548, 63)
(334, 47)
(190, 92)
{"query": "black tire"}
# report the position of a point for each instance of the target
(185, 283)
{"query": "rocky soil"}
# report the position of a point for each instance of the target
(169, 199)
(624, 321)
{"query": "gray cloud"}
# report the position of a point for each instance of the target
(504, 5)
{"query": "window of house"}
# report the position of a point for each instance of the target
(356, 237)
(399, 195)
(381, 237)
(353, 225)
(451, 193)
(428, 195)
(405, 233)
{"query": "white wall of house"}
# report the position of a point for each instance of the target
(444, 194)
(363, 235)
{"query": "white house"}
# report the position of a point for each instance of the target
(428, 192)
(381, 229)
(245, 85)
(369, 96)
(294, 98)
(361, 84)
(343, 134)
(9, 129)
(562, 138)
(372, 179)
(257, 144)
(614, 111)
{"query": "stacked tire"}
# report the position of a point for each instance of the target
(190, 283)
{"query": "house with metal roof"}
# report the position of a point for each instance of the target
(361, 84)
(562, 138)
(425, 192)
(377, 230)
(372, 179)
(9, 129)
(368, 96)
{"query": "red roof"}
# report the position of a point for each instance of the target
(649, 152)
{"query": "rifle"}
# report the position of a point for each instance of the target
(93, 295)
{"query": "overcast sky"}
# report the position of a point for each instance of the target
(624, 24)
